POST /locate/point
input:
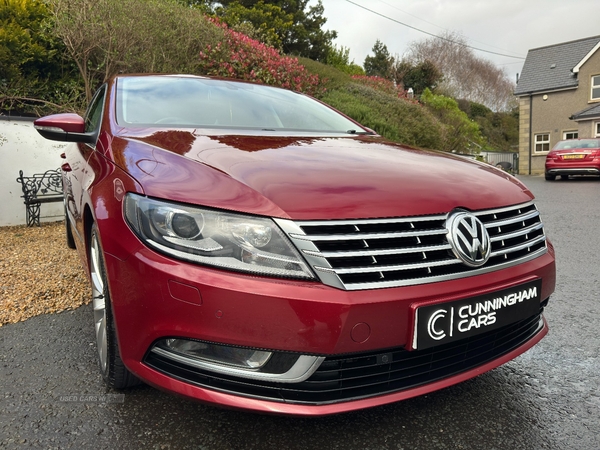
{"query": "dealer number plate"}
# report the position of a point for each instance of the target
(443, 323)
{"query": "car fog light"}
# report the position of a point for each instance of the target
(221, 354)
(280, 367)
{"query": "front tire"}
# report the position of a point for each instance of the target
(113, 370)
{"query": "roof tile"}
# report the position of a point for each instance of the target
(550, 68)
(588, 113)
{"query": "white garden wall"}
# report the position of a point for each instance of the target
(22, 148)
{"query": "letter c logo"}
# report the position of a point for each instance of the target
(431, 328)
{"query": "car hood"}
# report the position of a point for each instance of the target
(310, 178)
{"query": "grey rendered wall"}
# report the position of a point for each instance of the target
(21, 147)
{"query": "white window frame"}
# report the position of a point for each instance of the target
(573, 134)
(542, 140)
(597, 129)
(595, 86)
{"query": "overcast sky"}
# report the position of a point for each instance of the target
(502, 26)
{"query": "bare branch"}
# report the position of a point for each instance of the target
(465, 76)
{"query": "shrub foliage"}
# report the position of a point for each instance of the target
(105, 37)
(390, 116)
(381, 84)
(238, 56)
(33, 75)
(459, 133)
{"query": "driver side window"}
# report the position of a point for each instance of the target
(93, 116)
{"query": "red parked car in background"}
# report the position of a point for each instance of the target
(251, 247)
(573, 157)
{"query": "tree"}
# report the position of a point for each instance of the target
(418, 77)
(461, 133)
(269, 23)
(305, 35)
(33, 74)
(25, 44)
(499, 129)
(105, 37)
(381, 63)
(340, 59)
(464, 74)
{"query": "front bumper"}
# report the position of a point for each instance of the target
(349, 378)
(155, 298)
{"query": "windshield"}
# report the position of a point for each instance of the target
(578, 143)
(168, 101)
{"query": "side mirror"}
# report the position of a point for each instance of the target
(65, 128)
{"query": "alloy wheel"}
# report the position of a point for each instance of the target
(98, 301)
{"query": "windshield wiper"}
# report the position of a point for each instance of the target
(358, 132)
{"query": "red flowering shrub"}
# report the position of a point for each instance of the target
(381, 84)
(384, 85)
(241, 57)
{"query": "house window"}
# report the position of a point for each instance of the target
(542, 143)
(570, 135)
(597, 129)
(596, 87)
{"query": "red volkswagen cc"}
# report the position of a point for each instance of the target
(251, 247)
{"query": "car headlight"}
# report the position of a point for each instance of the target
(216, 238)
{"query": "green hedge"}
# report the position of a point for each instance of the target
(394, 118)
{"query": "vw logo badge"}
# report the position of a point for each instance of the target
(468, 238)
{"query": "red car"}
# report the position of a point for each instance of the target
(250, 247)
(573, 157)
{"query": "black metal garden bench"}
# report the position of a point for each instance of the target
(40, 188)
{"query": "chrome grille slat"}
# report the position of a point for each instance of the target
(380, 284)
(521, 232)
(502, 210)
(516, 248)
(381, 253)
(516, 219)
(376, 221)
(378, 252)
(365, 236)
(375, 269)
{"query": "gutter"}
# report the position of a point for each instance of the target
(546, 91)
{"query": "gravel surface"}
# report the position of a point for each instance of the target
(39, 274)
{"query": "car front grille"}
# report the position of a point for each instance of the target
(380, 253)
(351, 377)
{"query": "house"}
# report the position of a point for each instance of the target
(559, 98)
